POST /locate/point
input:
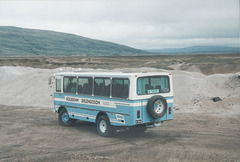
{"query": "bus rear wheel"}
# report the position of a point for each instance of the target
(104, 127)
(64, 119)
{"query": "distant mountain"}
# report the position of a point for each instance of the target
(16, 41)
(197, 50)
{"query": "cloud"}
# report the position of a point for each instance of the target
(137, 23)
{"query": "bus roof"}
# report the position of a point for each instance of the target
(110, 74)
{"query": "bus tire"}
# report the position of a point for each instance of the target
(64, 119)
(104, 127)
(157, 106)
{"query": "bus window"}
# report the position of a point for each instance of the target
(102, 87)
(153, 85)
(120, 88)
(69, 84)
(85, 85)
(58, 85)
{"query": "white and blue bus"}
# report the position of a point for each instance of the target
(113, 100)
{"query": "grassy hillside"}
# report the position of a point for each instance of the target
(30, 42)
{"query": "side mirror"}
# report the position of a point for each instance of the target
(50, 80)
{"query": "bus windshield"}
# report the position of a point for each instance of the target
(152, 85)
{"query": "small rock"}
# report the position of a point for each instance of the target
(176, 108)
(216, 99)
(238, 76)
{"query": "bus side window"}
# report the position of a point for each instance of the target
(102, 86)
(58, 85)
(85, 85)
(69, 84)
(120, 88)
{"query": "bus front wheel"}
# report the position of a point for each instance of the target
(64, 119)
(104, 127)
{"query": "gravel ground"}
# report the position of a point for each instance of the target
(34, 134)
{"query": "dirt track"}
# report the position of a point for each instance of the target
(34, 134)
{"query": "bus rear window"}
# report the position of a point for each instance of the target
(153, 85)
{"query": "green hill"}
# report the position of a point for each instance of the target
(16, 41)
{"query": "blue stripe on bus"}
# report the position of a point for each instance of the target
(89, 107)
(60, 95)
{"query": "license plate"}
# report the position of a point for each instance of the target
(138, 121)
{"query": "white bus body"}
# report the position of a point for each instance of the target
(113, 100)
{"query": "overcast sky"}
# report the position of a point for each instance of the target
(143, 24)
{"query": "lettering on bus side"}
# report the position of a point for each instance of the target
(72, 99)
(87, 101)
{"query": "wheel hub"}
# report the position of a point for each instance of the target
(103, 126)
(158, 107)
(65, 117)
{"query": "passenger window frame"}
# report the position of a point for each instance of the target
(64, 90)
(110, 86)
(56, 85)
(91, 85)
(123, 79)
